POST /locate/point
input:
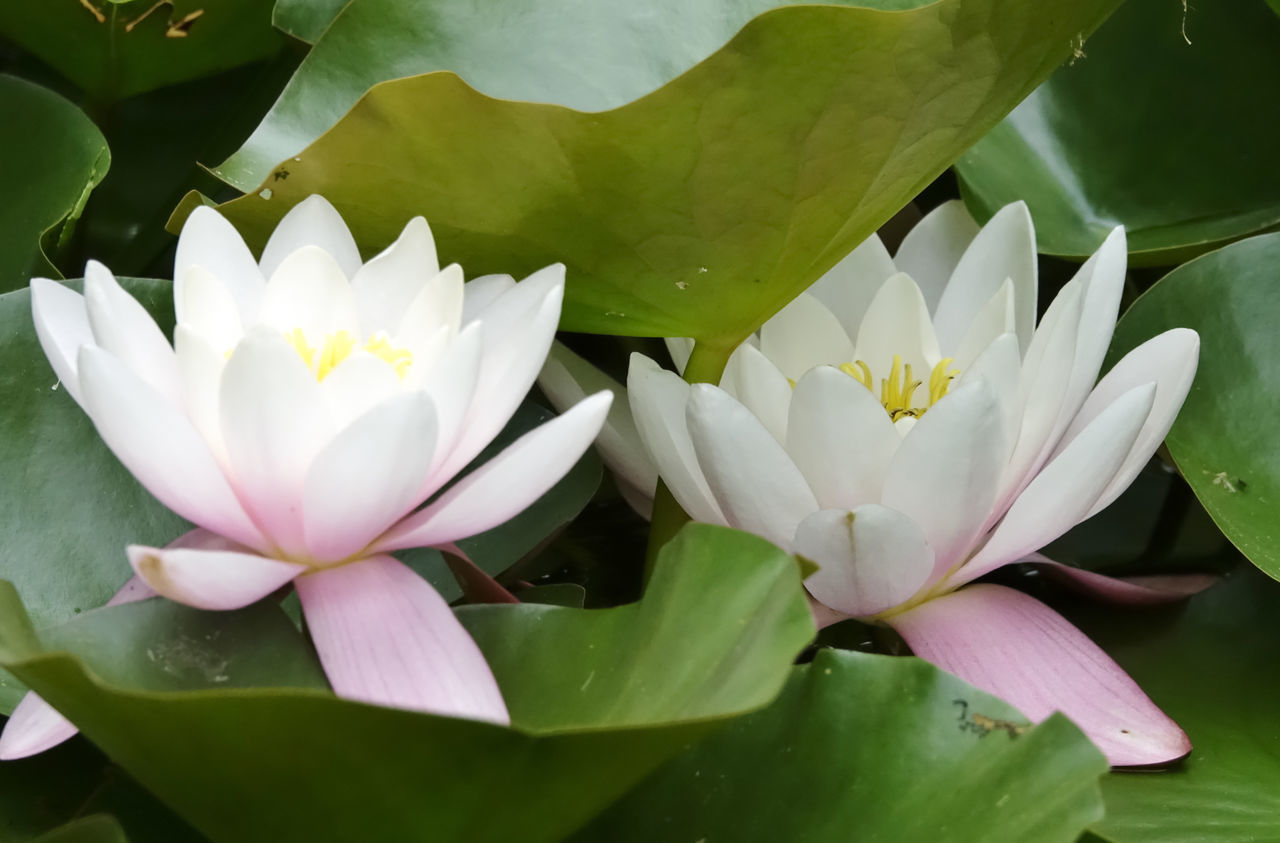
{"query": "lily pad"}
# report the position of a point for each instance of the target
(1155, 125)
(699, 209)
(305, 20)
(871, 747)
(587, 724)
(1224, 439)
(51, 157)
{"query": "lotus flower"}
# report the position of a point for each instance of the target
(308, 407)
(907, 426)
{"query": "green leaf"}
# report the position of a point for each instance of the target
(67, 506)
(1212, 667)
(1224, 439)
(117, 48)
(51, 157)
(556, 594)
(98, 828)
(613, 700)
(305, 20)
(1147, 130)
(41, 793)
(871, 747)
(699, 209)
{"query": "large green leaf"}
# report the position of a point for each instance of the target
(98, 828)
(1173, 139)
(699, 209)
(51, 157)
(610, 696)
(305, 20)
(117, 48)
(867, 747)
(1212, 667)
(1224, 440)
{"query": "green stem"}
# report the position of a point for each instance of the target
(706, 365)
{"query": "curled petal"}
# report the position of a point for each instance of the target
(1150, 590)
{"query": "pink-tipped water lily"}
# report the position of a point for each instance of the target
(308, 406)
(907, 426)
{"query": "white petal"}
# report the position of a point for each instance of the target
(752, 378)
(945, 472)
(848, 287)
(755, 483)
(869, 560)
(932, 248)
(897, 324)
(200, 368)
(802, 335)
(452, 387)
(482, 291)
(209, 309)
(1062, 494)
(1000, 365)
(369, 476)
(437, 306)
(209, 241)
(840, 438)
(309, 291)
(217, 580)
(157, 443)
(385, 286)
(507, 484)
(995, 318)
(1004, 248)
(123, 327)
(680, 349)
(658, 400)
(312, 222)
(62, 326)
(356, 386)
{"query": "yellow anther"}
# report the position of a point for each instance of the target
(897, 391)
(338, 346)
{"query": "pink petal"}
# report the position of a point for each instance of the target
(1011, 645)
(217, 580)
(386, 637)
(1151, 590)
(507, 484)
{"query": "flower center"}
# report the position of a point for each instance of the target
(338, 347)
(897, 392)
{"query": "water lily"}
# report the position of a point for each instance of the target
(909, 427)
(308, 406)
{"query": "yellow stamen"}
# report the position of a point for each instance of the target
(338, 346)
(898, 390)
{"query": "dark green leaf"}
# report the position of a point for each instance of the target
(697, 210)
(98, 828)
(305, 20)
(41, 793)
(1224, 439)
(557, 594)
(867, 747)
(1164, 122)
(51, 157)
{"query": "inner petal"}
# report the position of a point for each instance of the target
(338, 346)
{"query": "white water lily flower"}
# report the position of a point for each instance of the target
(309, 405)
(907, 425)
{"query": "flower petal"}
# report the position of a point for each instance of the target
(1015, 647)
(62, 326)
(945, 472)
(848, 287)
(436, 307)
(658, 400)
(680, 349)
(452, 387)
(309, 292)
(755, 483)
(482, 291)
(869, 560)
(1151, 590)
(386, 637)
(217, 580)
(897, 325)
(356, 386)
(996, 318)
(507, 484)
(805, 334)
(159, 446)
(840, 438)
(1000, 364)
(207, 240)
(123, 327)
(932, 248)
(751, 378)
(1062, 494)
(312, 222)
(369, 476)
(385, 286)
(210, 311)
(1004, 248)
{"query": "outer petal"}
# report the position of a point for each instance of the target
(452, 386)
(848, 287)
(869, 560)
(1063, 493)
(897, 324)
(386, 637)
(482, 291)
(945, 472)
(1000, 365)
(930, 251)
(369, 476)
(658, 400)
(752, 378)
(507, 484)
(385, 286)
(680, 349)
(217, 580)
(436, 307)
(1004, 248)
(1154, 590)
(1015, 647)
(209, 309)
(758, 487)
(123, 327)
(840, 438)
(996, 318)
(62, 326)
(804, 334)
(312, 222)
(157, 443)
(209, 241)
